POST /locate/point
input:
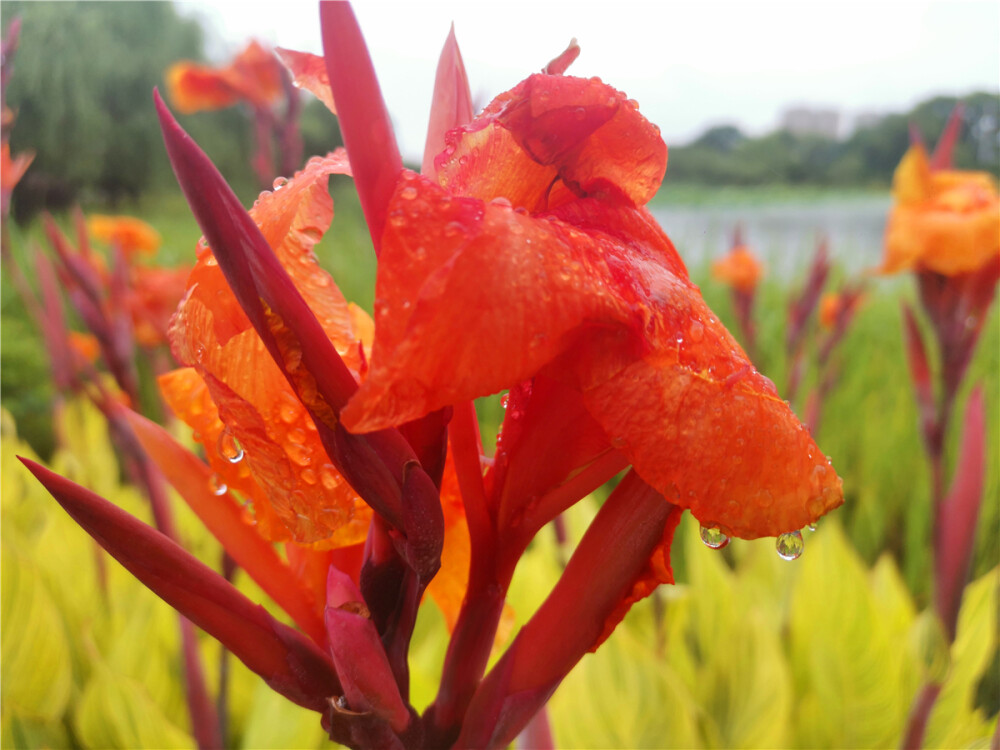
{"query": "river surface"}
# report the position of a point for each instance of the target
(783, 233)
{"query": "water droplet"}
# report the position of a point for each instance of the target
(811, 527)
(217, 486)
(308, 476)
(790, 545)
(329, 476)
(713, 537)
(697, 330)
(229, 447)
(408, 193)
(504, 399)
(279, 182)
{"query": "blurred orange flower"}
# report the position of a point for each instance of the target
(11, 172)
(253, 76)
(132, 235)
(942, 220)
(740, 269)
(829, 309)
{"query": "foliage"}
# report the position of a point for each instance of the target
(747, 650)
(87, 111)
(725, 156)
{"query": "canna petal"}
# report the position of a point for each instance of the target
(284, 455)
(309, 73)
(254, 76)
(193, 88)
(554, 132)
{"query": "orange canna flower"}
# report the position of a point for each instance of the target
(535, 239)
(132, 235)
(942, 220)
(253, 76)
(740, 269)
(84, 346)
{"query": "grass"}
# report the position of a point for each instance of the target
(870, 421)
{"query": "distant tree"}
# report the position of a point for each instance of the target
(721, 138)
(82, 87)
(723, 155)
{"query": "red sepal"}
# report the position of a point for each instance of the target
(631, 524)
(451, 104)
(955, 526)
(364, 120)
(289, 663)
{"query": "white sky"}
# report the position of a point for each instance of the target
(688, 64)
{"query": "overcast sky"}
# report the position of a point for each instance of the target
(688, 64)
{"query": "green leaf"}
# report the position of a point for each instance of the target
(34, 655)
(854, 680)
(624, 696)
(115, 711)
(955, 722)
(275, 722)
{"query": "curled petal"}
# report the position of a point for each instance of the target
(552, 133)
(309, 73)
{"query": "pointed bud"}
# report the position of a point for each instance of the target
(288, 662)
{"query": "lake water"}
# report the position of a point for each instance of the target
(783, 233)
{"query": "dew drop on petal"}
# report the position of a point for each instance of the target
(713, 537)
(229, 447)
(279, 182)
(408, 193)
(217, 486)
(790, 545)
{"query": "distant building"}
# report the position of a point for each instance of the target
(808, 121)
(865, 120)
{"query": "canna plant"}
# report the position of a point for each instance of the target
(522, 259)
(945, 228)
(742, 271)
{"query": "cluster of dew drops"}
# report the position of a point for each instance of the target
(231, 450)
(789, 545)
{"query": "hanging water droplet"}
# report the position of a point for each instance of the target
(279, 182)
(790, 545)
(811, 527)
(713, 537)
(229, 447)
(217, 486)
